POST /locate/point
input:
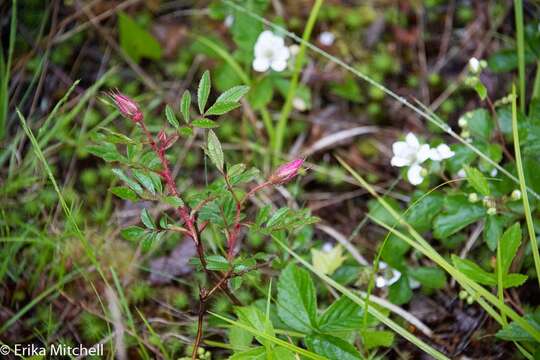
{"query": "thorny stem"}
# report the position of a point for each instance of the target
(236, 228)
(194, 232)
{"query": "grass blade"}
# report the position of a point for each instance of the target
(520, 40)
(299, 61)
(523, 187)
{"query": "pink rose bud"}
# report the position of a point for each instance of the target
(286, 172)
(127, 107)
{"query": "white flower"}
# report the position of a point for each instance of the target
(474, 65)
(409, 152)
(326, 38)
(416, 174)
(229, 20)
(441, 152)
(327, 247)
(461, 173)
(493, 172)
(299, 104)
(387, 276)
(270, 52)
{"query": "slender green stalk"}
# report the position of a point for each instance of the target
(523, 187)
(5, 67)
(520, 40)
(500, 285)
(536, 86)
(287, 107)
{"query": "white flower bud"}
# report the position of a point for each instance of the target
(516, 195)
(473, 197)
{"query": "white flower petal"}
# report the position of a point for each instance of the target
(423, 153)
(261, 64)
(412, 140)
(380, 281)
(229, 20)
(398, 161)
(282, 53)
(279, 65)
(326, 38)
(414, 174)
(396, 275)
(441, 152)
(299, 104)
(400, 147)
(266, 36)
(474, 65)
(445, 152)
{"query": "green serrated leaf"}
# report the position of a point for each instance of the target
(124, 193)
(332, 348)
(214, 151)
(133, 185)
(185, 104)
(132, 233)
(185, 131)
(477, 180)
(147, 220)
(473, 271)
(509, 244)
(171, 118)
(234, 94)
(297, 300)
(430, 277)
(205, 123)
(174, 201)
(343, 315)
(203, 91)
(145, 180)
(220, 108)
(106, 151)
(377, 338)
(217, 263)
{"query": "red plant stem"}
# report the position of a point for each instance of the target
(183, 211)
(236, 227)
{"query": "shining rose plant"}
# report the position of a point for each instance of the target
(146, 173)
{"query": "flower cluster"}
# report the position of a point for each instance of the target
(412, 154)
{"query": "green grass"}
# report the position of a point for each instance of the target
(5, 71)
(520, 41)
(523, 187)
(299, 62)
